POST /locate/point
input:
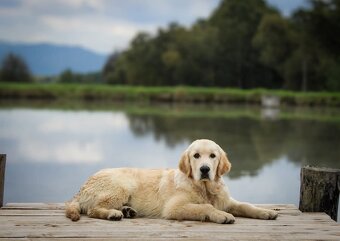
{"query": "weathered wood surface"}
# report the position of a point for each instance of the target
(22, 221)
(319, 191)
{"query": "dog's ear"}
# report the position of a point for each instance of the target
(224, 165)
(184, 164)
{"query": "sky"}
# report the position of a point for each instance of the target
(102, 26)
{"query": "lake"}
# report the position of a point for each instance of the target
(53, 148)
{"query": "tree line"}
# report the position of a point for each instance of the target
(244, 44)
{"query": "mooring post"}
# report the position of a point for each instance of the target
(2, 177)
(319, 191)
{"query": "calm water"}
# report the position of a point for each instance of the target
(52, 149)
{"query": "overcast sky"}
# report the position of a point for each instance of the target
(101, 25)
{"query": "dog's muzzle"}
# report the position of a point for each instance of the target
(205, 172)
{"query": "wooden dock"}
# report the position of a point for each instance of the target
(39, 221)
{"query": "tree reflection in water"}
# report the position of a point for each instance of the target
(250, 142)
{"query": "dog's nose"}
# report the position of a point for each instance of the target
(204, 169)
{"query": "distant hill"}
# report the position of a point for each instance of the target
(50, 59)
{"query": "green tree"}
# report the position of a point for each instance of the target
(14, 69)
(238, 61)
(323, 23)
(319, 28)
(142, 61)
(333, 74)
(67, 76)
(276, 42)
(109, 68)
(199, 51)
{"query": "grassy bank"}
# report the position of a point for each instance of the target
(162, 94)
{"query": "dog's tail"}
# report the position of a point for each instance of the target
(73, 210)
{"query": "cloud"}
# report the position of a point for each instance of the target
(80, 137)
(96, 122)
(103, 32)
(58, 137)
(100, 25)
(64, 152)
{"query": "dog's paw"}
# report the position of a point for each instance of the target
(128, 212)
(115, 215)
(268, 214)
(222, 217)
(74, 216)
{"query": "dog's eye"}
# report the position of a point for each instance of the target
(212, 155)
(197, 155)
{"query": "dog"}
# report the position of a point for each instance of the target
(194, 191)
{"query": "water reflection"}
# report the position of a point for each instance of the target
(250, 143)
(52, 152)
(75, 137)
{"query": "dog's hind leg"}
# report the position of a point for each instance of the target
(109, 206)
(105, 213)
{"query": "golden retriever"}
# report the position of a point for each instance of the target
(195, 191)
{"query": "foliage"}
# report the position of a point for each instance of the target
(14, 69)
(238, 61)
(109, 67)
(244, 44)
(67, 76)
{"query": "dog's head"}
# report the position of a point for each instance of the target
(204, 160)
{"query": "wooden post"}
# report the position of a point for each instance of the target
(2, 177)
(319, 190)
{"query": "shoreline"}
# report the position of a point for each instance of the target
(176, 94)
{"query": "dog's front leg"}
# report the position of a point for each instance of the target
(241, 209)
(196, 212)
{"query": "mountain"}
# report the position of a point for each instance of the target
(50, 59)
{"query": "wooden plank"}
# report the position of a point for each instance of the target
(19, 222)
(35, 206)
(264, 234)
(84, 223)
(29, 212)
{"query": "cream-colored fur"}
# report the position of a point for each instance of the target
(181, 194)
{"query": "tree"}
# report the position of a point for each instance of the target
(14, 69)
(68, 76)
(323, 23)
(141, 63)
(318, 40)
(237, 23)
(109, 68)
(275, 41)
(198, 48)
